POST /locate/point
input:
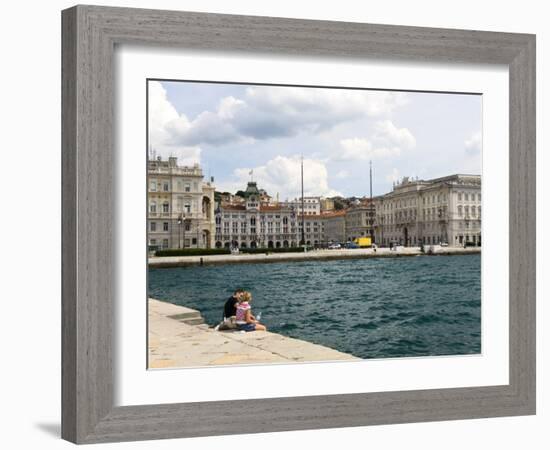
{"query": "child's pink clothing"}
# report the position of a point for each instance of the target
(241, 312)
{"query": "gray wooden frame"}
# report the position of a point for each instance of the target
(89, 37)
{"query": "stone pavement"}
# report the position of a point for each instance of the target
(178, 338)
(178, 261)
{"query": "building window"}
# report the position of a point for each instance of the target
(187, 187)
(165, 207)
(194, 241)
(165, 243)
(165, 186)
(153, 185)
(460, 210)
(165, 226)
(460, 195)
(153, 207)
(153, 226)
(187, 207)
(187, 225)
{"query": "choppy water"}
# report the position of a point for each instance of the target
(371, 308)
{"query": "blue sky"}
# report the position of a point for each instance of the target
(231, 129)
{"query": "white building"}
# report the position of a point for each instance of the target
(259, 222)
(446, 209)
(312, 205)
(255, 224)
(180, 206)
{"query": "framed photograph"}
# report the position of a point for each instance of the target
(316, 224)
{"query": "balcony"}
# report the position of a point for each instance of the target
(183, 171)
(176, 216)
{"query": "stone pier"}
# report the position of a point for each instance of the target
(182, 261)
(178, 337)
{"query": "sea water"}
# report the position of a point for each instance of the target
(371, 308)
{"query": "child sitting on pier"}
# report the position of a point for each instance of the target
(244, 319)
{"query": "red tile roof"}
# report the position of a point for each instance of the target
(233, 207)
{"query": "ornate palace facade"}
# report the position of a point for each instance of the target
(180, 206)
(442, 210)
(181, 213)
(260, 223)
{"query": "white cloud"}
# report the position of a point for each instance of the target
(473, 143)
(386, 131)
(282, 175)
(266, 112)
(393, 176)
(165, 125)
(342, 174)
(361, 149)
(386, 141)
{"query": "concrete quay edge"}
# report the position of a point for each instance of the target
(172, 343)
(182, 261)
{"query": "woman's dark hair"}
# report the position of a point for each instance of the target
(238, 291)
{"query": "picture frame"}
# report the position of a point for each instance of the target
(89, 37)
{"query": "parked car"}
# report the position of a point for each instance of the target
(351, 245)
(444, 244)
(334, 246)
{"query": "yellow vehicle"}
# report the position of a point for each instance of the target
(363, 241)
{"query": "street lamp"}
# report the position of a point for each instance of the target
(180, 223)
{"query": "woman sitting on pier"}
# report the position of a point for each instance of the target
(245, 320)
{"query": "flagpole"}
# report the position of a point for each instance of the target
(303, 221)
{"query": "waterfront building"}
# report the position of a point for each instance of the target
(327, 204)
(261, 222)
(442, 210)
(359, 220)
(335, 226)
(180, 206)
(314, 234)
(312, 205)
(256, 223)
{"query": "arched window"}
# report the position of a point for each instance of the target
(153, 207)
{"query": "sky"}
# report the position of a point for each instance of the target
(232, 130)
